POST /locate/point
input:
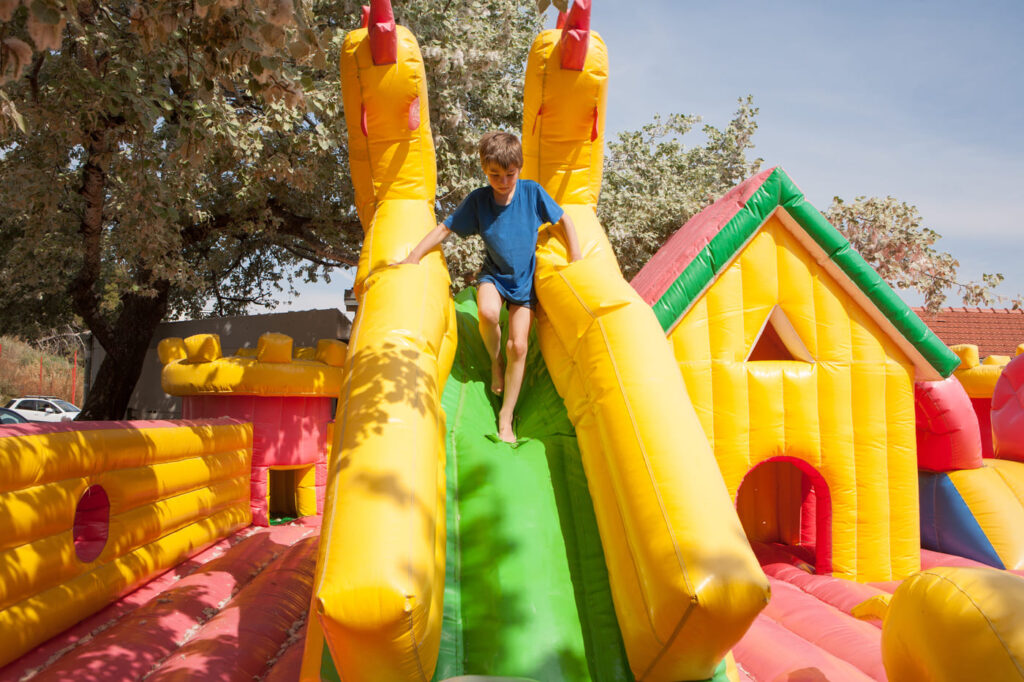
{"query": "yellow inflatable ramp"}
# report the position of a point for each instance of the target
(684, 580)
(380, 570)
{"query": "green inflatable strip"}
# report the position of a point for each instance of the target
(526, 591)
(779, 190)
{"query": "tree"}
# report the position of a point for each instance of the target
(163, 157)
(654, 183)
(891, 237)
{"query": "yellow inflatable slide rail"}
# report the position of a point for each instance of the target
(378, 591)
(684, 580)
(90, 511)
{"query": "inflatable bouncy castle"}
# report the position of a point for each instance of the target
(286, 396)
(720, 471)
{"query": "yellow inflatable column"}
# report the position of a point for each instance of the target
(380, 572)
(684, 581)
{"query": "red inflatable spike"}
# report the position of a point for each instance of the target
(383, 36)
(576, 36)
(560, 21)
(365, 20)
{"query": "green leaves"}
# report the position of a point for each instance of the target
(654, 183)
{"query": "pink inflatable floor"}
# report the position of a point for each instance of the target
(236, 611)
(806, 632)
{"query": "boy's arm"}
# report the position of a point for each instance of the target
(432, 239)
(572, 243)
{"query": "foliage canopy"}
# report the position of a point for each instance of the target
(176, 157)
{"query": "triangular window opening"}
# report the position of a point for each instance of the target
(778, 340)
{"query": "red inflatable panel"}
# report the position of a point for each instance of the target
(983, 408)
(240, 641)
(151, 634)
(1008, 412)
(948, 438)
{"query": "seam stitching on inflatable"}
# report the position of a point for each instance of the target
(675, 633)
(618, 510)
(647, 463)
(998, 636)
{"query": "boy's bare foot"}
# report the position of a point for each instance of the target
(505, 432)
(497, 377)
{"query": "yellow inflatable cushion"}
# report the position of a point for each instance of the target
(955, 624)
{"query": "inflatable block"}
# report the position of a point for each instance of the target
(171, 349)
(948, 437)
(1008, 413)
(950, 624)
(274, 348)
(203, 348)
(331, 352)
(948, 524)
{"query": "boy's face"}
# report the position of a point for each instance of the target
(502, 180)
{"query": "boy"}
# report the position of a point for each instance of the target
(506, 214)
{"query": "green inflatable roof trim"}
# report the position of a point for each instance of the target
(779, 190)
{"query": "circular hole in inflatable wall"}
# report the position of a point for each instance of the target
(92, 523)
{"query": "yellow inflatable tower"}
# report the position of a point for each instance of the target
(684, 581)
(380, 571)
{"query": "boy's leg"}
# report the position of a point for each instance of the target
(519, 320)
(488, 303)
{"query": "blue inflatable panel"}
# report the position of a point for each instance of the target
(947, 524)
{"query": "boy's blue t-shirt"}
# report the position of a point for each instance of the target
(509, 233)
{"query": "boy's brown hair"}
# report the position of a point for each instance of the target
(501, 148)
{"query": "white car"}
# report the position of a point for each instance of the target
(43, 408)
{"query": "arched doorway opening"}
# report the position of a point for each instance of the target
(785, 506)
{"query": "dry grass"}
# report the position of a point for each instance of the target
(20, 373)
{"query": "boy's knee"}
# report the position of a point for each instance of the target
(517, 348)
(490, 315)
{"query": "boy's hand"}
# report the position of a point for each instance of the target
(409, 260)
(575, 256)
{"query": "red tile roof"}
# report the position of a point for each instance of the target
(995, 331)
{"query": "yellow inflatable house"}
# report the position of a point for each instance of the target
(801, 364)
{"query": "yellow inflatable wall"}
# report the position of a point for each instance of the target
(847, 416)
(380, 572)
(158, 492)
(978, 377)
(684, 581)
(197, 366)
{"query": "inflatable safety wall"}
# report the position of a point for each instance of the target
(684, 581)
(286, 395)
(799, 359)
(89, 511)
(377, 599)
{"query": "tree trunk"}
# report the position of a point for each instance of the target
(126, 350)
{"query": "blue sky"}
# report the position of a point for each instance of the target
(923, 101)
